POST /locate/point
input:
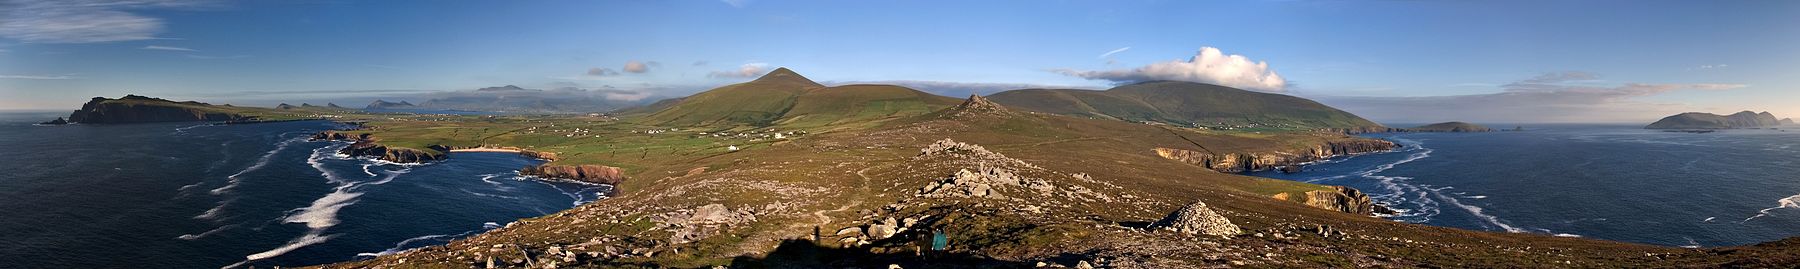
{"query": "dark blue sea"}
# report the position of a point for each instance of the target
(188, 195)
(1613, 182)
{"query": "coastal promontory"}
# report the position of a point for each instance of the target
(135, 109)
(1701, 120)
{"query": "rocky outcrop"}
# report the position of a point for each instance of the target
(691, 225)
(1197, 218)
(984, 182)
(365, 146)
(1258, 161)
(57, 121)
(587, 173)
(285, 106)
(976, 106)
(1340, 199)
(138, 109)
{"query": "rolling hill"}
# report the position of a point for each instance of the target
(1187, 104)
(785, 98)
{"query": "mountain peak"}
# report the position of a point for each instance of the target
(784, 75)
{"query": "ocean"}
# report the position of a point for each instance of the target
(190, 195)
(1613, 182)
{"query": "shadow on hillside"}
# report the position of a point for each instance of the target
(806, 254)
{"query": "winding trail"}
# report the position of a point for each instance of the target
(824, 219)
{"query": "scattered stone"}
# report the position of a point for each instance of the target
(1084, 265)
(983, 182)
(1198, 218)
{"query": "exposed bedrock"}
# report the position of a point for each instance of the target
(586, 172)
(1258, 161)
(365, 146)
(1341, 199)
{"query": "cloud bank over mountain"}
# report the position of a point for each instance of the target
(1209, 65)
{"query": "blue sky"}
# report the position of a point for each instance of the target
(1393, 61)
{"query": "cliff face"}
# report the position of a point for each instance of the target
(365, 146)
(1257, 161)
(586, 172)
(137, 109)
(1340, 199)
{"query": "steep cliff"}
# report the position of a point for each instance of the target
(137, 109)
(1339, 198)
(586, 172)
(1234, 162)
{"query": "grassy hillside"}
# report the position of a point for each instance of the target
(1186, 104)
(787, 99)
(860, 104)
(758, 102)
(1105, 184)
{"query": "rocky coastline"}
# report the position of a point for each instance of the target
(1238, 162)
(364, 145)
(1340, 198)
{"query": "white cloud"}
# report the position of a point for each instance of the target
(1208, 66)
(1712, 66)
(37, 77)
(639, 67)
(83, 21)
(748, 70)
(1552, 97)
(155, 47)
(736, 3)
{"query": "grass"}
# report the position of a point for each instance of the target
(1186, 104)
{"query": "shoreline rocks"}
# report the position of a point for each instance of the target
(586, 173)
(365, 146)
(1259, 161)
(1340, 199)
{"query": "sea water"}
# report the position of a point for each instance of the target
(1613, 182)
(191, 195)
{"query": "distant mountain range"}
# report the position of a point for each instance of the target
(384, 104)
(1700, 120)
(783, 97)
